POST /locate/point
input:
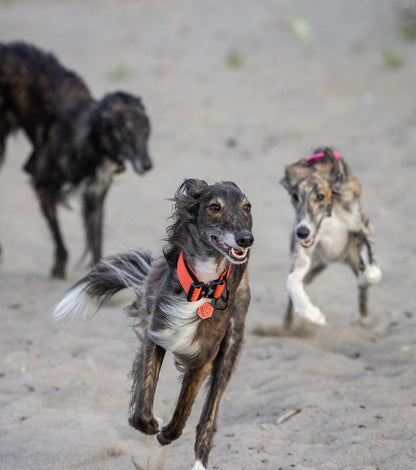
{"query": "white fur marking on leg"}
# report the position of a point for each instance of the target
(75, 302)
(372, 274)
(314, 315)
(294, 285)
(198, 465)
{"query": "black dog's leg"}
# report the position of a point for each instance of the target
(48, 206)
(145, 375)
(191, 383)
(7, 125)
(93, 213)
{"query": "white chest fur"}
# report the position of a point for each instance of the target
(180, 320)
(180, 323)
(334, 232)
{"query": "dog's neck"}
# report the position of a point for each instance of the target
(209, 269)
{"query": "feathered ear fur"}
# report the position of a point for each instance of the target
(339, 169)
(294, 173)
(117, 100)
(230, 183)
(187, 199)
(185, 208)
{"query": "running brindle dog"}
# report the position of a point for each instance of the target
(78, 142)
(330, 226)
(191, 300)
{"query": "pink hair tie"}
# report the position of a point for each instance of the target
(319, 155)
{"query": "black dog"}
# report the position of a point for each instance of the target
(78, 142)
(191, 300)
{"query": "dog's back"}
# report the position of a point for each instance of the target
(36, 90)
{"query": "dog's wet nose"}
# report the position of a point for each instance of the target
(302, 232)
(147, 164)
(244, 239)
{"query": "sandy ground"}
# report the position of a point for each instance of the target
(232, 94)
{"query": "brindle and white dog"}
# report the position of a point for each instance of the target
(191, 300)
(330, 226)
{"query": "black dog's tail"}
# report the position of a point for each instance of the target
(109, 276)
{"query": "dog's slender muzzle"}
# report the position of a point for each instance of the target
(141, 163)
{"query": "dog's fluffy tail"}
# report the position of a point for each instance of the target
(109, 276)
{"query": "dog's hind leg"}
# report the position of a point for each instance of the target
(191, 383)
(360, 259)
(48, 206)
(145, 375)
(93, 214)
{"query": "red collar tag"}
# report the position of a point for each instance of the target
(196, 289)
(205, 311)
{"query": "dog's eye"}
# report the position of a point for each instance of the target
(320, 197)
(247, 207)
(295, 197)
(214, 207)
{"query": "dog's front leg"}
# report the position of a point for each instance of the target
(145, 374)
(192, 381)
(317, 267)
(295, 288)
(93, 214)
(222, 370)
(48, 206)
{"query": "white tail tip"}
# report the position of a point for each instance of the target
(75, 302)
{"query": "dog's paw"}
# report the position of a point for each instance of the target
(162, 439)
(372, 274)
(198, 465)
(145, 425)
(314, 315)
(58, 271)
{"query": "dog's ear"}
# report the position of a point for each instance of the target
(118, 99)
(285, 181)
(293, 174)
(187, 198)
(230, 183)
(193, 187)
(339, 170)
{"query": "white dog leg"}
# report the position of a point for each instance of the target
(198, 465)
(294, 285)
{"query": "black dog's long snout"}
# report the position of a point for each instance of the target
(147, 164)
(141, 163)
(244, 239)
(302, 232)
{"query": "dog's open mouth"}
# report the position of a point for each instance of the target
(238, 255)
(310, 241)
